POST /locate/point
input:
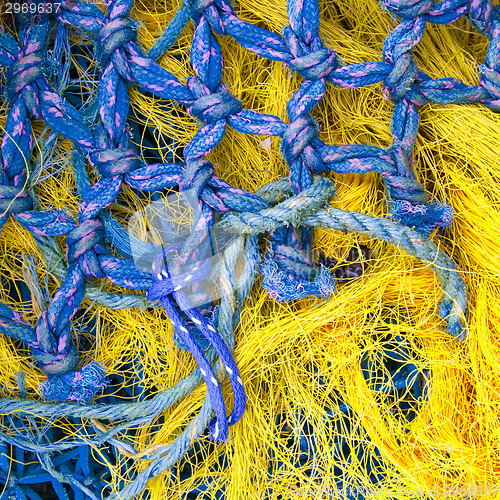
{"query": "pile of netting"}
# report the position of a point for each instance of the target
(249, 249)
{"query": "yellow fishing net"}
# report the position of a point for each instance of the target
(300, 361)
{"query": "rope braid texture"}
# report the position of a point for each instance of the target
(288, 269)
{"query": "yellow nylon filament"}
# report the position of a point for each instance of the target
(453, 442)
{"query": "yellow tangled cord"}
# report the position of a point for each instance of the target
(453, 443)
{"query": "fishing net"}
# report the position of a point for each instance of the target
(249, 250)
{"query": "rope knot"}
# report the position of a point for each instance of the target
(490, 80)
(79, 385)
(316, 65)
(411, 205)
(24, 71)
(197, 7)
(53, 357)
(401, 78)
(80, 246)
(397, 51)
(114, 35)
(196, 175)
(402, 187)
(54, 363)
(408, 9)
(297, 137)
(14, 200)
(111, 162)
(310, 58)
(214, 107)
(58, 358)
(288, 269)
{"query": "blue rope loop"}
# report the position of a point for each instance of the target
(169, 289)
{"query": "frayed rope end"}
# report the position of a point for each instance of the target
(80, 385)
(282, 287)
(423, 218)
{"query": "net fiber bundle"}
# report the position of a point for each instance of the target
(352, 149)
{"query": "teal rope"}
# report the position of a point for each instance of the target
(302, 211)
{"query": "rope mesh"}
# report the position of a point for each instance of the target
(350, 378)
